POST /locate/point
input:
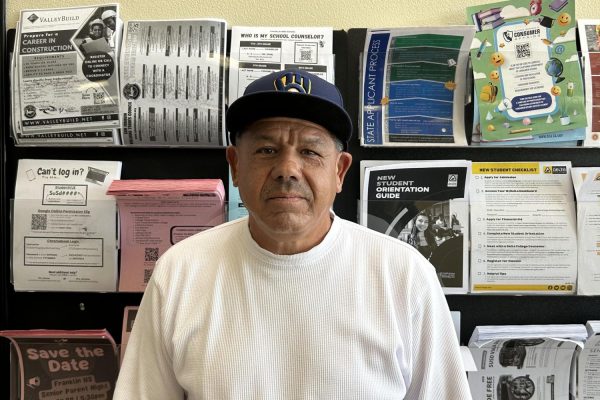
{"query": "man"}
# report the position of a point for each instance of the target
(109, 17)
(292, 302)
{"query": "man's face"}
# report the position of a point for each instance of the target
(96, 32)
(288, 172)
(110, 22)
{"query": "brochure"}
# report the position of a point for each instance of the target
(413, 86)
(524, 236)
(526, 69)
(425, 204)
(157, 213)
(66, 71)
(60, 365)
(257, 51)
(588, 371)
(65, 226)
(586, 182)
(523, 368)
(589, 39)
(128, 319)
(173, 90)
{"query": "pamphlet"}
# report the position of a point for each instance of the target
(414, 84)
(65, 226)
(128, 319)
(588, 371)
(257, 51)
(67, 72)
(589, 38)
(522, 368)
(586, 182)
(60, 365)
(157, 213)
(524, 236)
(173, 90)
(425, 204)
(526, 69)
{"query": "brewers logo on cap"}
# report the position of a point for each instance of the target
(293, 82)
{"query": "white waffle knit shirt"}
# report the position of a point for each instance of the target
(359, 316)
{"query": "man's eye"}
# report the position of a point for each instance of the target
(266, 150)
(309, 152)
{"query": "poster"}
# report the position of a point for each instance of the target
(526, 69)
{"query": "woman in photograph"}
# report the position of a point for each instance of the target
(421, 235)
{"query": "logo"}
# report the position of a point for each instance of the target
(131, 91)
(29, 111)
(508, 36)
(293, 82)
(32, 18)
(556, 170)
(452, 180)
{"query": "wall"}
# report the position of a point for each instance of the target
(340, 14)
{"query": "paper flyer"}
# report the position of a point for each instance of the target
(589, 39)
(523, 228)
(67, 71)
(586, 181)
(173, 83)
(526, 69)
(425, 204)
(61, 365)
(413, 86)
(258, 50)
(64, 226)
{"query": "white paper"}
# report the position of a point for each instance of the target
(64, 226)
(524, 237)
(173, 82)
(68, 80)
(258, 51)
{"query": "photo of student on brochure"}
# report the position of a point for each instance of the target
(526, 69)
(425, 206)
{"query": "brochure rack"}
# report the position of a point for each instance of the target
(56, 310)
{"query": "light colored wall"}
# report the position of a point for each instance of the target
(340, 14)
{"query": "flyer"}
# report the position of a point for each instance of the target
(414, 84)
(173, 83)
(61, 365)
(586, 182)
(526, 69)
(257, 51)
(589, 38)
(523, 368)
(64, 226)
(523, 228)
(67, 71)
(157, 213)
(425, 204)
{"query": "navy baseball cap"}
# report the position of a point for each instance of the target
(291, 93)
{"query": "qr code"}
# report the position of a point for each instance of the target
(39, 222)
(99, 98)
(306, 55)
(523, 50)
(151, 254)
(147, 275)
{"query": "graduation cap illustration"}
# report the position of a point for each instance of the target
(546, 22)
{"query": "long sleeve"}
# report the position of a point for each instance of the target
(147, 371)
(437, 370)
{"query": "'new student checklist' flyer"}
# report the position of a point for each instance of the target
(526, 68)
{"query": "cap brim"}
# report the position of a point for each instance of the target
(252, 107)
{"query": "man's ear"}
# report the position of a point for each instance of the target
(232, 158)
(343, 165)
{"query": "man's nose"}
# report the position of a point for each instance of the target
(288, 166)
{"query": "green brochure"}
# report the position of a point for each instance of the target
(526, 69)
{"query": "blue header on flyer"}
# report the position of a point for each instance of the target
(373, 89)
